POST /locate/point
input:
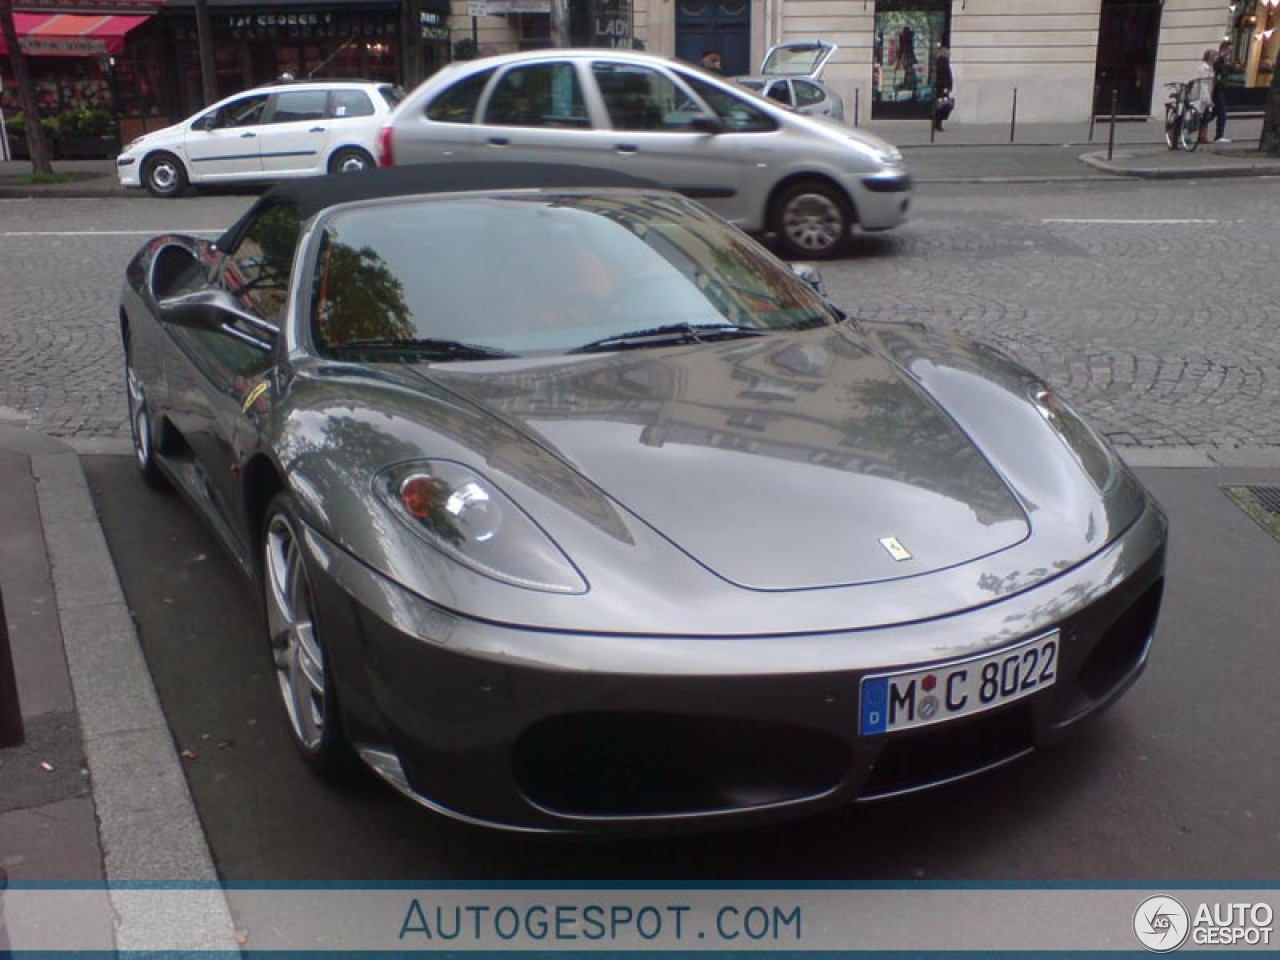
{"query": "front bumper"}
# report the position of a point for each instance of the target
(540, 731)
(129, 171)
(882, 199)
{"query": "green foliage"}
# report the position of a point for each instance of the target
(16, 126)
(27, 179)
(83, 120)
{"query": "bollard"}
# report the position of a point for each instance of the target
(857, 105)
(1013, 116)
(11, 732)
(1093, 111)
(1111, 137)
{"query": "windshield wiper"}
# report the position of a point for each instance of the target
(432, 348)
(667, 333)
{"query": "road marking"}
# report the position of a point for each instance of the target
(1153, 222)
(107, 233)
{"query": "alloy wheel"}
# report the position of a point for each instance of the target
(298, 657)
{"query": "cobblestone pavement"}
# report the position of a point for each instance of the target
(1155, 309)
(1153, 306)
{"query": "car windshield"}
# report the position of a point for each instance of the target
(523, 274)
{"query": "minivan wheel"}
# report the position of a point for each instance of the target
(812, 220)
(164, 176)
(350, 160)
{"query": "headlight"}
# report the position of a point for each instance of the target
(1089, 448)
(470, 520)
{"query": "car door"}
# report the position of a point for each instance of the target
(295, 137)
(217, 378)
(660, 127)
(537, 112)
(445, 129)
(225, 144)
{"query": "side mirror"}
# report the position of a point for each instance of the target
(208, 122)
(810, 275)
(214, 311)
(706, 123)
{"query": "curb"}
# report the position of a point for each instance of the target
(147, 824)
(1246, 168)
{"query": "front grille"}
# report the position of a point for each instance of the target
(949, 751)
(638, 764)
(1114, 658)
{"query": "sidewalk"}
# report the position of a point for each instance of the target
(963, 153)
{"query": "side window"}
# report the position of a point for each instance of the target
(640, 98)
(781, 91)
(807, 93)
(350, 103)
(256, 273)
(736, 113)
(538, 95)
(245, 112)
(297, 105)
(457, 104)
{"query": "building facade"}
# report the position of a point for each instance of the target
(1065, 60)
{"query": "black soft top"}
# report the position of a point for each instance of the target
(314, 194)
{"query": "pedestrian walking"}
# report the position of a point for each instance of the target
(1221, 67)
(944, 100)
(711, 61)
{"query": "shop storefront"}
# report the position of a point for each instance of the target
(71, 56)
(1255, 43)
(158, 75)
(908, 35)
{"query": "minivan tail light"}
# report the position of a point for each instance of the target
(385, 156)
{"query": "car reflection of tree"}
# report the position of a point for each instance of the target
(359, 298)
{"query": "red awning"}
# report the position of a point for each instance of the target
(71, 34)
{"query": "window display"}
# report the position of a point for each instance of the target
(908, 34)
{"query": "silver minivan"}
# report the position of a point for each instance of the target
(808, 180)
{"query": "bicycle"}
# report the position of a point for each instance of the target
(1182, 118)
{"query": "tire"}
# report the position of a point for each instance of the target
(141, 429)
(304, 675)
(1171, 126)
(1189, 130)
(350, 160)
(164, 176)
(812, 220)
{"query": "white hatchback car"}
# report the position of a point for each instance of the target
(274, 132)
(808, 180)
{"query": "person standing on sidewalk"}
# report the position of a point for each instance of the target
(1221, 67)
(1202, 92)
(943, 100)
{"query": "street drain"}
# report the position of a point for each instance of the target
(1260, 503)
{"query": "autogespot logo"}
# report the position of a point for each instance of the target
(1161, 924)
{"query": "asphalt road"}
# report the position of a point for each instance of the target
(1178, 781)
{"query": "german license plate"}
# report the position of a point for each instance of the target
(917, 698)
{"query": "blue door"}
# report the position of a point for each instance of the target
(720, 25)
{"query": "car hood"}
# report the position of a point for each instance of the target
(786, 462)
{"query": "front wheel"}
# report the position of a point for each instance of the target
(164, 176)
(140, 428)
(1189, 131)
(1171, 126)
(350, 160)
(304, 674)
(812, 220)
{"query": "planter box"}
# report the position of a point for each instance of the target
(86, 148)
